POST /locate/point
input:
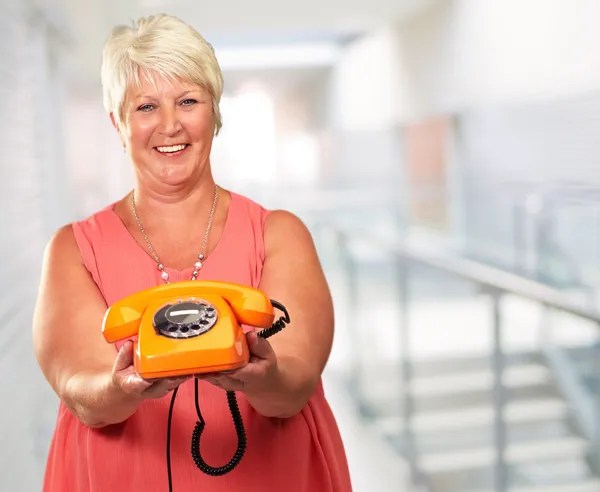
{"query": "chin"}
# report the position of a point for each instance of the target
(176, 175)
(171, 171)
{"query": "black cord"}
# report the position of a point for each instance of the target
(279, 324)
(241, 435)
(235, 414)
(169, 439)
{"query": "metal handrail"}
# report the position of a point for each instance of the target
(488, 276)
(498, 283)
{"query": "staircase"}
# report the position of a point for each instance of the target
(453, 425)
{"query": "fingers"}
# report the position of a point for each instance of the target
(177, 380)
(162, 387)
(259, 347)
(226, 383)
(123, 373)
(124, 358)
(257, 373)
(125, 377)
(261, 362)
(132, 384)
(169, 384)
(262, 358)
(226, 380)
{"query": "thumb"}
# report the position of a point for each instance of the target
(124, 357)
(258, 346)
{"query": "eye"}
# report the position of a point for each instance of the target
(145, 108)
(188, 102)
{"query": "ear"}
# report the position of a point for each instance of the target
(114, 122)
(116, 125)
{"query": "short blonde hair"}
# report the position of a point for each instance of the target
(158, 45)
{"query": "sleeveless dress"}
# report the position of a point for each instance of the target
(303, 453)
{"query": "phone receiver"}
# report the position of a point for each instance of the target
(188, 327)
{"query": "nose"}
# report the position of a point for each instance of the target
(170, 123)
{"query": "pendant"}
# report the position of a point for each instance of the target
(164, 275)
(197, 266)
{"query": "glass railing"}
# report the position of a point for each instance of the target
(482, 379)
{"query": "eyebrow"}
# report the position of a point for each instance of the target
(185, 93)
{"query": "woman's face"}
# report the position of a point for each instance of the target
(169, 127)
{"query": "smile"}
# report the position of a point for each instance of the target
(172, 149)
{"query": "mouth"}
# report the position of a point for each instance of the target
(172, 150)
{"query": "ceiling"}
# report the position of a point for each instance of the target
(235, 21)
(230, 23)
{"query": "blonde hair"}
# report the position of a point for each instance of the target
(158, 45)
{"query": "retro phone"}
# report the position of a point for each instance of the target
(192, 327)
(188, 327)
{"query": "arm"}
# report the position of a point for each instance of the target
(285, 370)
(98, 386)
(292, 275)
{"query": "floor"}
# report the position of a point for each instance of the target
(373, 465)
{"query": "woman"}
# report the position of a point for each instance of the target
(162, 87)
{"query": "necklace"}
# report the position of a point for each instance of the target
(198, 265)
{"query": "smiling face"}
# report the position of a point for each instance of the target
(168, 130)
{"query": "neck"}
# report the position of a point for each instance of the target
(175, 203)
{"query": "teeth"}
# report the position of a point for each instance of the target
(174, 148)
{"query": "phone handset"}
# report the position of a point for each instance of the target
(250, 306)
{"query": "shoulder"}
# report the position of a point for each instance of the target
(284, 221)
(281, 228)
(63, 239)
(286, 231)
(62, 247)
(74, 237)
(247, 203)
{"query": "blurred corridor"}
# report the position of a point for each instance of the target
(445, 155)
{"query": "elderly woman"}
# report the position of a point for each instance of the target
(162, 86)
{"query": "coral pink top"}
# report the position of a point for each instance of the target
(300, 454)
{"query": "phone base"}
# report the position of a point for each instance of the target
(191, 371)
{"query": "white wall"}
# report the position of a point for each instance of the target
(97, 168)
(364, 84)
(524, 78)
(463, 53)
(363, 107)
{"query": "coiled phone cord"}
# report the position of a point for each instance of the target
(235, 413)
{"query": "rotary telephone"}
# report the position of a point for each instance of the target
(193, 327)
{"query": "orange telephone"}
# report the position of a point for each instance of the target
(188, 327)
(192, 327)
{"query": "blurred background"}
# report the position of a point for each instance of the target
(445, 155)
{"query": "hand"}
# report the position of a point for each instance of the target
(125, 378)
(256, 376)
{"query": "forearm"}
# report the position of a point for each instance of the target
(287, 391)
(96, 401)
